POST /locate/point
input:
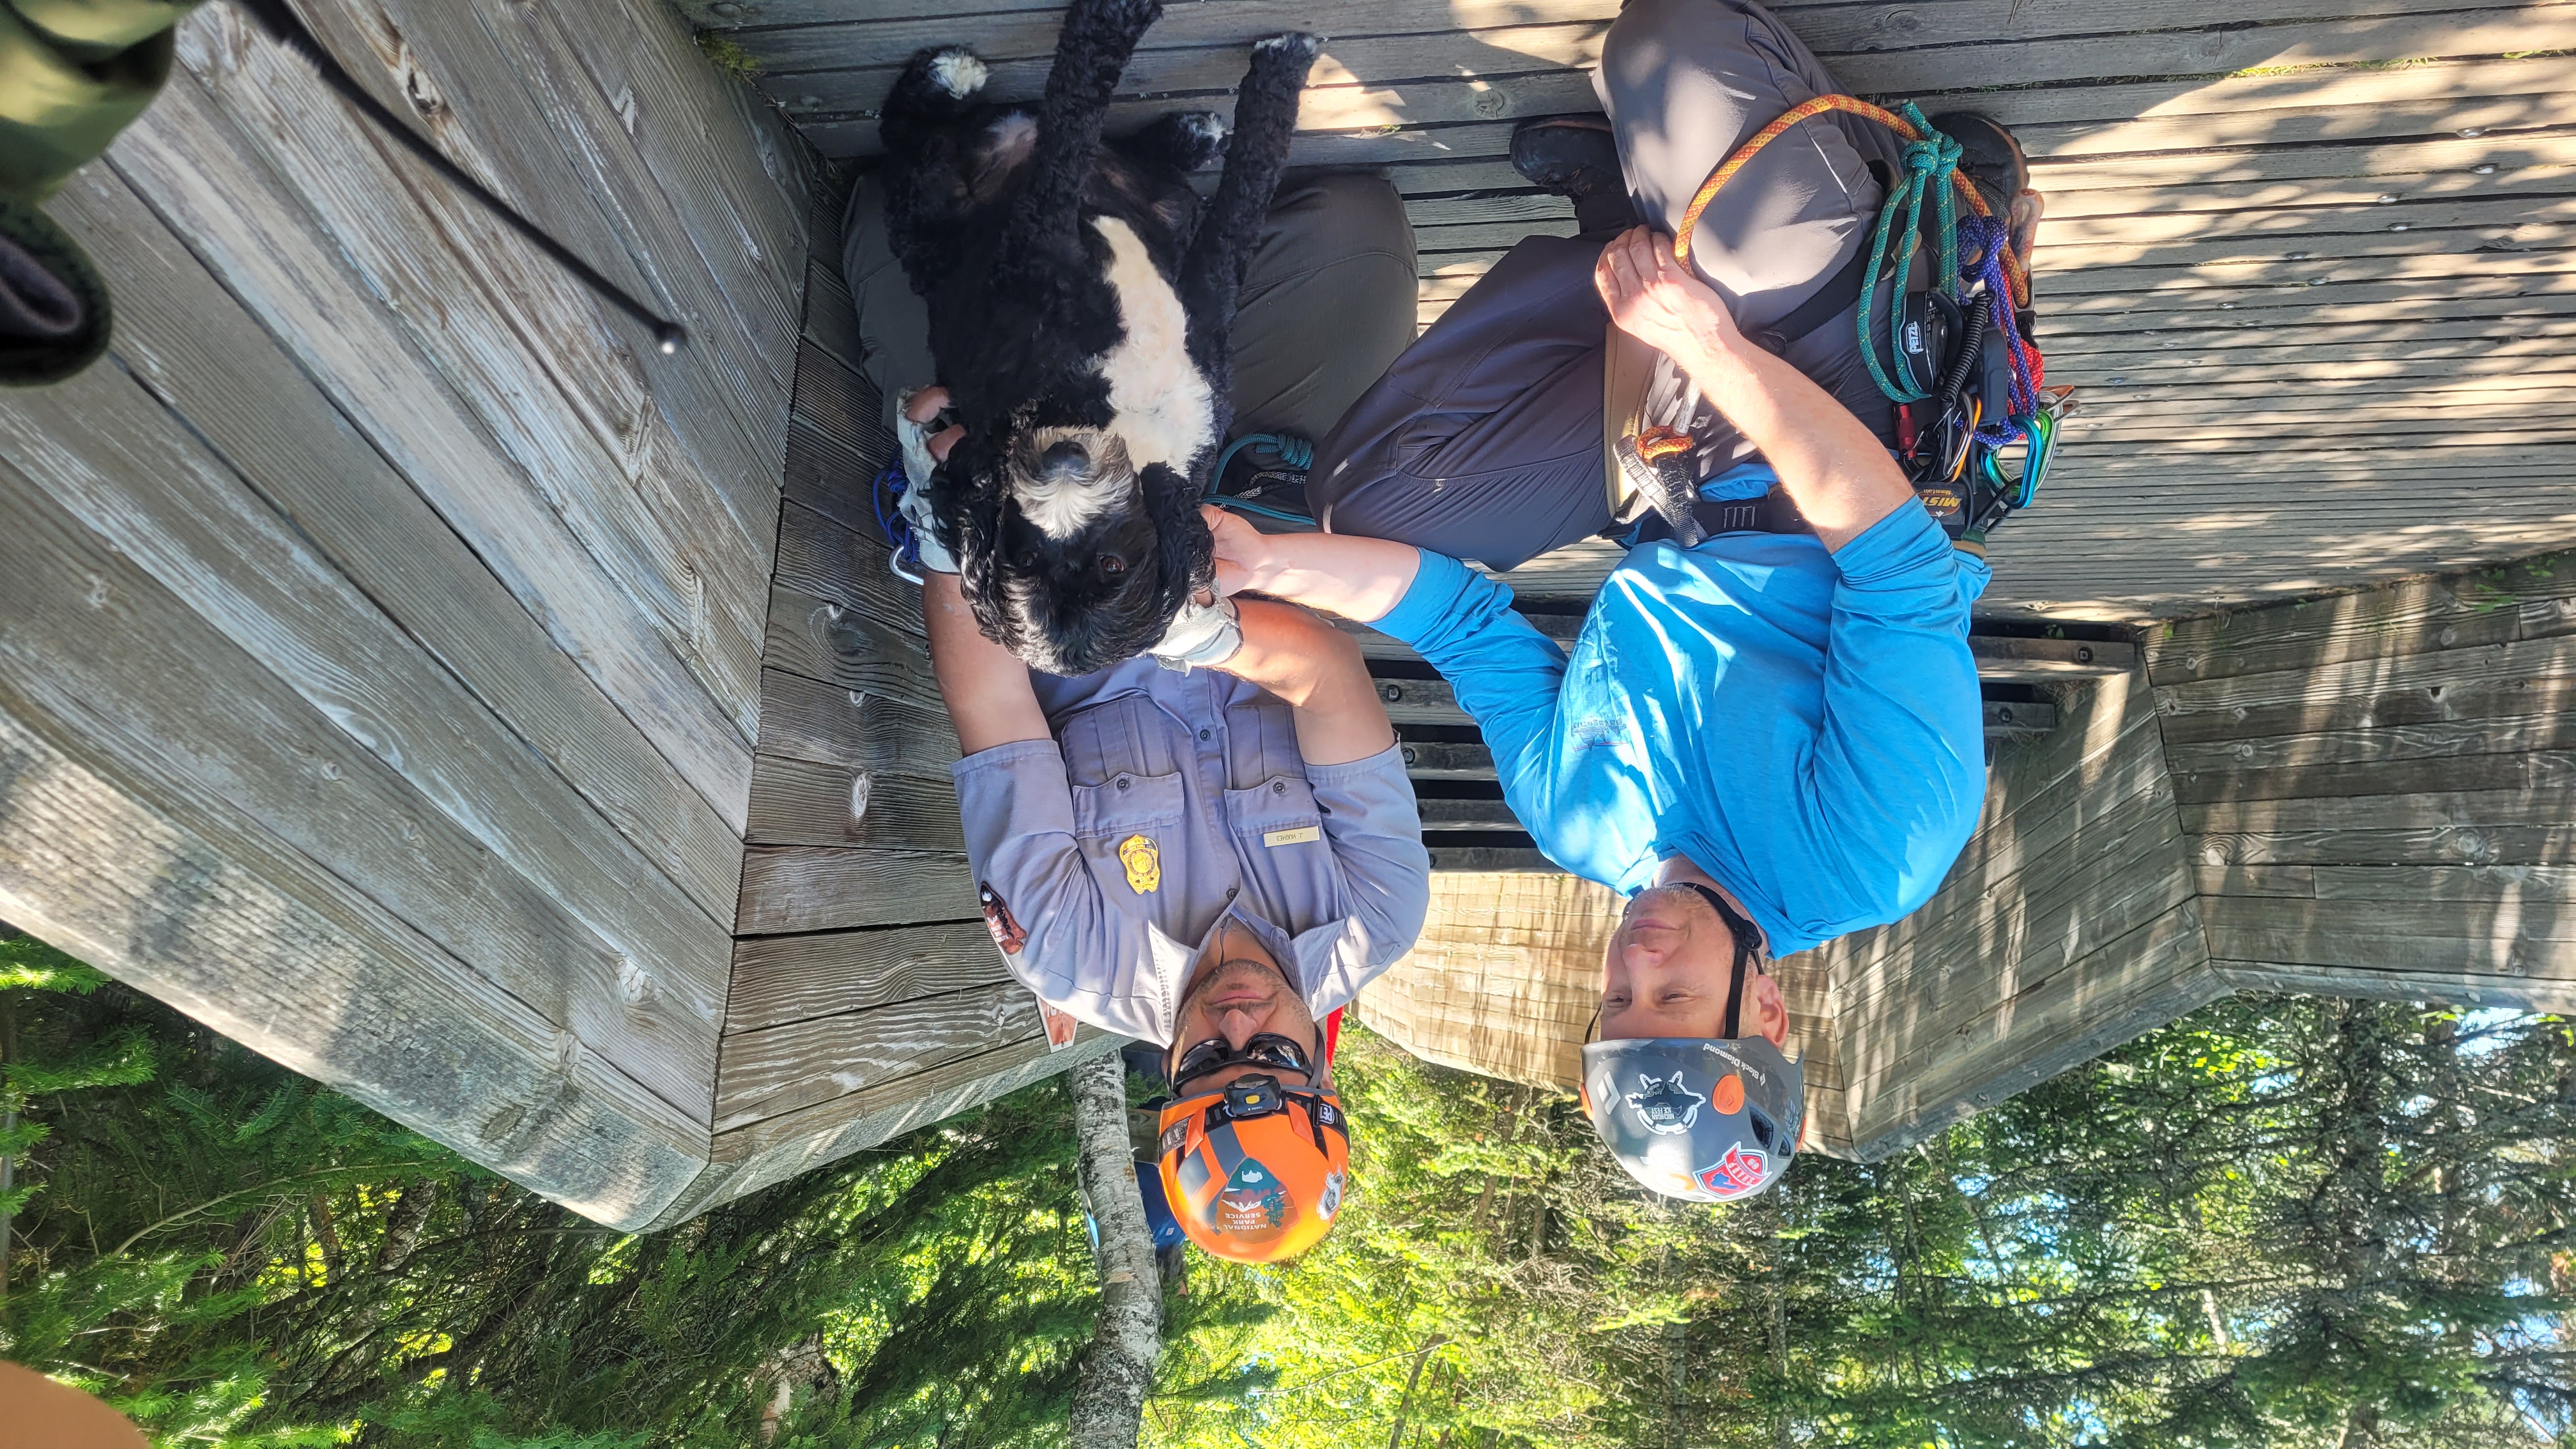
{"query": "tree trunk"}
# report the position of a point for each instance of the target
(1118, 1368)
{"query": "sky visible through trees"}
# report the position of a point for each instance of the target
(2281, 1221)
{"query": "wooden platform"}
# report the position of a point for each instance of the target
(2307, 259)
(391, 672)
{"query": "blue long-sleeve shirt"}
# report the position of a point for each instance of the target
(1803, 725)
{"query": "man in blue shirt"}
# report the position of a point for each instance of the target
(1767, 740)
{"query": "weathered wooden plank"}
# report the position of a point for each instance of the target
(2402, 689)
(2548, 801)
(1488, 39)
(776, 1070)
(447, 69)
(2545, 777)
(2417, 725)
(2298, 882)
(792, 888)
(749, 321)
(804, 802)
(2532, 599)
(822, 559)
(187, 161)
(844, 1124)
(525, 350)
(1440, 814)
(186, 340)
(782, 979)
(829, 477)
(181, 897)
(2017, 923)
(2391, 845)
(735, 173)
(834, 725)
(97, 644)
(2440, 884)
(825, 641)
(2452, 939)
(2418, 982)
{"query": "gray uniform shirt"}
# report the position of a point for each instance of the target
(1166, 802)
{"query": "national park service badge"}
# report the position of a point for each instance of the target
(1144, 864)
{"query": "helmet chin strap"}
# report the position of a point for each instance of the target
(1744, 932)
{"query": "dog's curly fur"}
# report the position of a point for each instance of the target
(1080, 297)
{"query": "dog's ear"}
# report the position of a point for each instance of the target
(1186, 551)
(970, 520)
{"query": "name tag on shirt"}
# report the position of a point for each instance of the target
(1298, 836)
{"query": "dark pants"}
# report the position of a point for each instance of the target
(1483, 441)
(1327, 303)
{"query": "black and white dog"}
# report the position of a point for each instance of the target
(1080, 297)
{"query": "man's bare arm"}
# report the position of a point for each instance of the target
(985, 686)
(1318, 670)
(1839, 473)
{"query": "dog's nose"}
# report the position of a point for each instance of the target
(1065, 460)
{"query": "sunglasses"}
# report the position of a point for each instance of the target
(1266, 1049)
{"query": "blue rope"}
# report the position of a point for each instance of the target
(1928, 165)
(885, 494)
(1294, 452)
(1989, 235)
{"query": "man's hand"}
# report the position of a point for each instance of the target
(1318, 670)
(985, 686)
(1242, 552)
(929, 403)
(1662, 303)
(1357, 578)
(1841, 475)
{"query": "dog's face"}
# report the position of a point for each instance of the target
(1073, 558)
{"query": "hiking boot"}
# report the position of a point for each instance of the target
(1577, 158)
(1990, 156)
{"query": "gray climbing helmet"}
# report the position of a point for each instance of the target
(1711, 1119)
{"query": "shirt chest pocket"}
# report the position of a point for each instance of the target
(1277, 814)
(1126, 804)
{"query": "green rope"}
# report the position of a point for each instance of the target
(1928, 166)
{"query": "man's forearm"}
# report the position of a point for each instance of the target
(1358, 579)
(1837, 470)
(1318, 670)
(984, 685)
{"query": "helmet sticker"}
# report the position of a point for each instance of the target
(1728, 1098)
(998, 919)
(1254, 1203)
(1331, 1202)
(1737, 1173)
(1175, 1137)
(1664, 1104)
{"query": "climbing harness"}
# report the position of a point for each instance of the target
(1976, 424)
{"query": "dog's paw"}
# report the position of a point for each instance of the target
(958, 72)
(1296, 48)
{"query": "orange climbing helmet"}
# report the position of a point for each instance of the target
(1256, 1172)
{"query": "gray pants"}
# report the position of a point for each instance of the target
(1484, 440)
(1327, 303)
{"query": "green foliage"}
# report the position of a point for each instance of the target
(2284, 1222)
(237, 1258)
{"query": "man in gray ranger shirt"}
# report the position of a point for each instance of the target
(1215, 859)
